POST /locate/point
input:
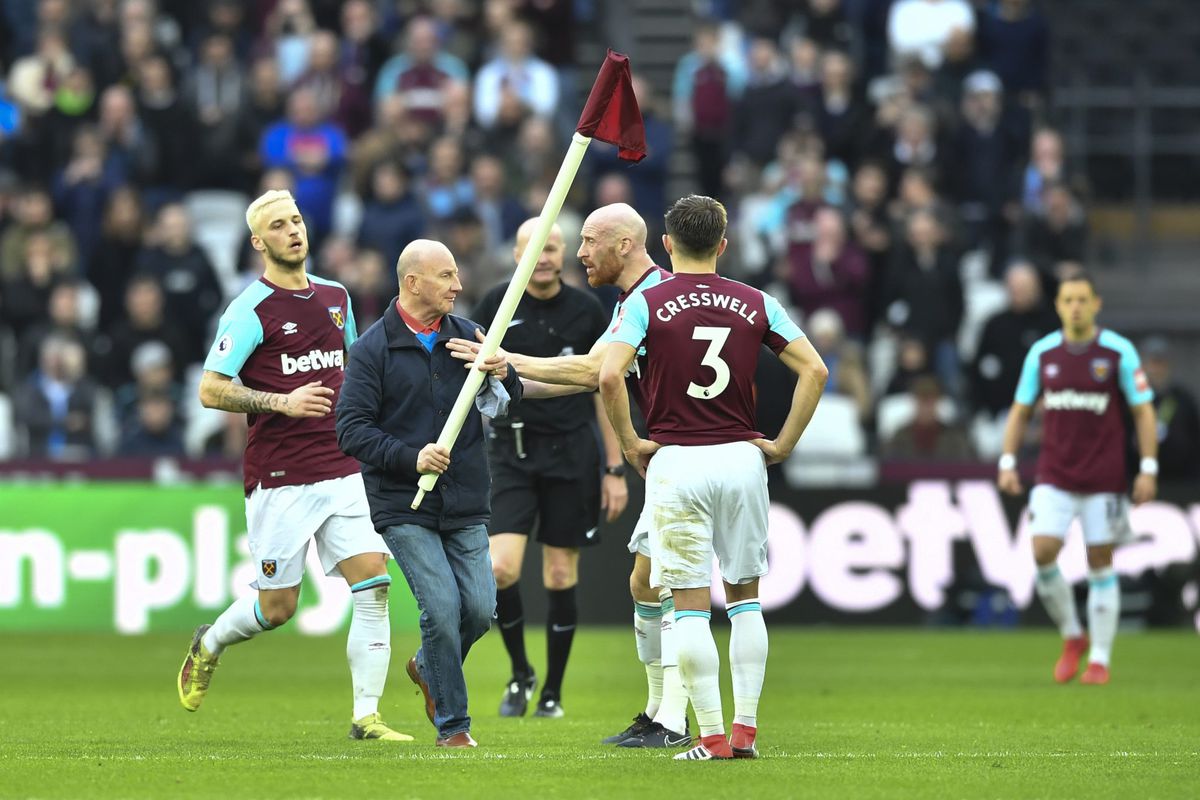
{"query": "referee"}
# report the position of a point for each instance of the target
(546, 473)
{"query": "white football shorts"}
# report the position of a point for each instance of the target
(1104, 516)
(639, 541)
(705, 500)
(281, 521)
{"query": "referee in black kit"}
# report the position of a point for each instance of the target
(547, 473)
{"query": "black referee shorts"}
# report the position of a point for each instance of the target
(554, 490)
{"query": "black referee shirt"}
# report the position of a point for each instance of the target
(567, 324)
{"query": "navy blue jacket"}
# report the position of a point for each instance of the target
(395, 400)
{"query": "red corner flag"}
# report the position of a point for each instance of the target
(611, 113)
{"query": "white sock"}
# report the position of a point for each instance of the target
(699, 665)
(672, 714)
(647, 629)
(1059, 601)
(1104, 612)
(241, 621)
(747, 658)
(369, 644)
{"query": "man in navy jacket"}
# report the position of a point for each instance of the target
(400, 386)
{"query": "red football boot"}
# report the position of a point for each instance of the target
(1096, 674)
(1067, 666)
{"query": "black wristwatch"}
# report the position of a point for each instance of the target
(618, 470)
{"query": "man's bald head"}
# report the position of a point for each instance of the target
(621, 221)
(526, 231)
(422, 254)
(613, 246)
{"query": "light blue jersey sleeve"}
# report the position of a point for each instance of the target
(351, 329)
(632, 322)
(1029, 386)
(1133, 381)
(239, 333)
(778, 321)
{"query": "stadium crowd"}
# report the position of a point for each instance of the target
(890, 167)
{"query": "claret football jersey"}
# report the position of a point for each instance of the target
(277, 340)
(1082, 386)
(702, 334)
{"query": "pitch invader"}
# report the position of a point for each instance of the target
(285, 337)
(1082, 373)
(706, 479)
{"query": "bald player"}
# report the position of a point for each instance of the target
(613, 250)
(285, 338)
(545, 459)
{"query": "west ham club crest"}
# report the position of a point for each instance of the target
(339, 319)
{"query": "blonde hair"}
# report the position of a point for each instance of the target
(265, 199)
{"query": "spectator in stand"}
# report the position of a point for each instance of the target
(1014, 42)
(26, 295)
(344, 103)
(806, 183)
(843, 357)
(111, 262)
(1047, 165)
(189, 282)
(35, 216)
(223, 18)
(394, 136)
(987, 153)
(56, 405)
(34, 79)
(214, 95)
(445, 189)
(63, 318)
(927, 438)
(830, 272)
(841, 116)
(925, 294)
(917, 193)
(95, 38)
(1059, 233)
(804, 67)
(871, 230)
(457, 121)
(1178, 418)
(153, 372)
(127, 141)
(392, 215)
(82, 187)
(927, 28)
(1006, 339)
(287, 31)
(314, 150)
(261, 108)
(421, 74)
(364, 49)
(822, 21)
(912, 361)
(514, 83)
(915, 145)
(156, 432)
(703, 94)
(478, 266)
(372, 285)
(767, 107)
(144, 321)
(169, 125)
(500, 212)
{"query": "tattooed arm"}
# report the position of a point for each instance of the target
(219, 391)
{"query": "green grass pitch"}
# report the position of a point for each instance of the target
(846, 713)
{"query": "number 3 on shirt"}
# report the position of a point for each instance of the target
(712, 359)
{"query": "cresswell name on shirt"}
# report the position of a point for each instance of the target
(313, 360)
(1072, 400)
(667, 311)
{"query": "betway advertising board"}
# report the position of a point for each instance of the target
(135, 558)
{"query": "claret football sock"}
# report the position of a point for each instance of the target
(1059, 601)
(369, 643)
(647, 629)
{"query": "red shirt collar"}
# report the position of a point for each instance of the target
(415, 325)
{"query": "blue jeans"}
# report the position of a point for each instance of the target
(450, 575)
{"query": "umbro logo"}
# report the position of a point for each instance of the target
(289, 328)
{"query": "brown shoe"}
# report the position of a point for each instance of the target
(415, 676)
(457, 740)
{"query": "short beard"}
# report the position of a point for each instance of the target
(286, 260)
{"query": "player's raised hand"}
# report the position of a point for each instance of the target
(1145, 488)
(639, 454)
(309, 400)
(1009, 481)
(771, 451)
(433, 458)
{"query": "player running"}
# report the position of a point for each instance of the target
(706, 486)
(1081, 373)
(285, 337)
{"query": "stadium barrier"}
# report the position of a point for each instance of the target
(136, 557)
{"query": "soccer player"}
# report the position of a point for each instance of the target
(1081, 373)
(285, 337)
(545, 465)
(706, 485)
(613, 249)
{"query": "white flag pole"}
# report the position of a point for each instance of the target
(508, 306)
